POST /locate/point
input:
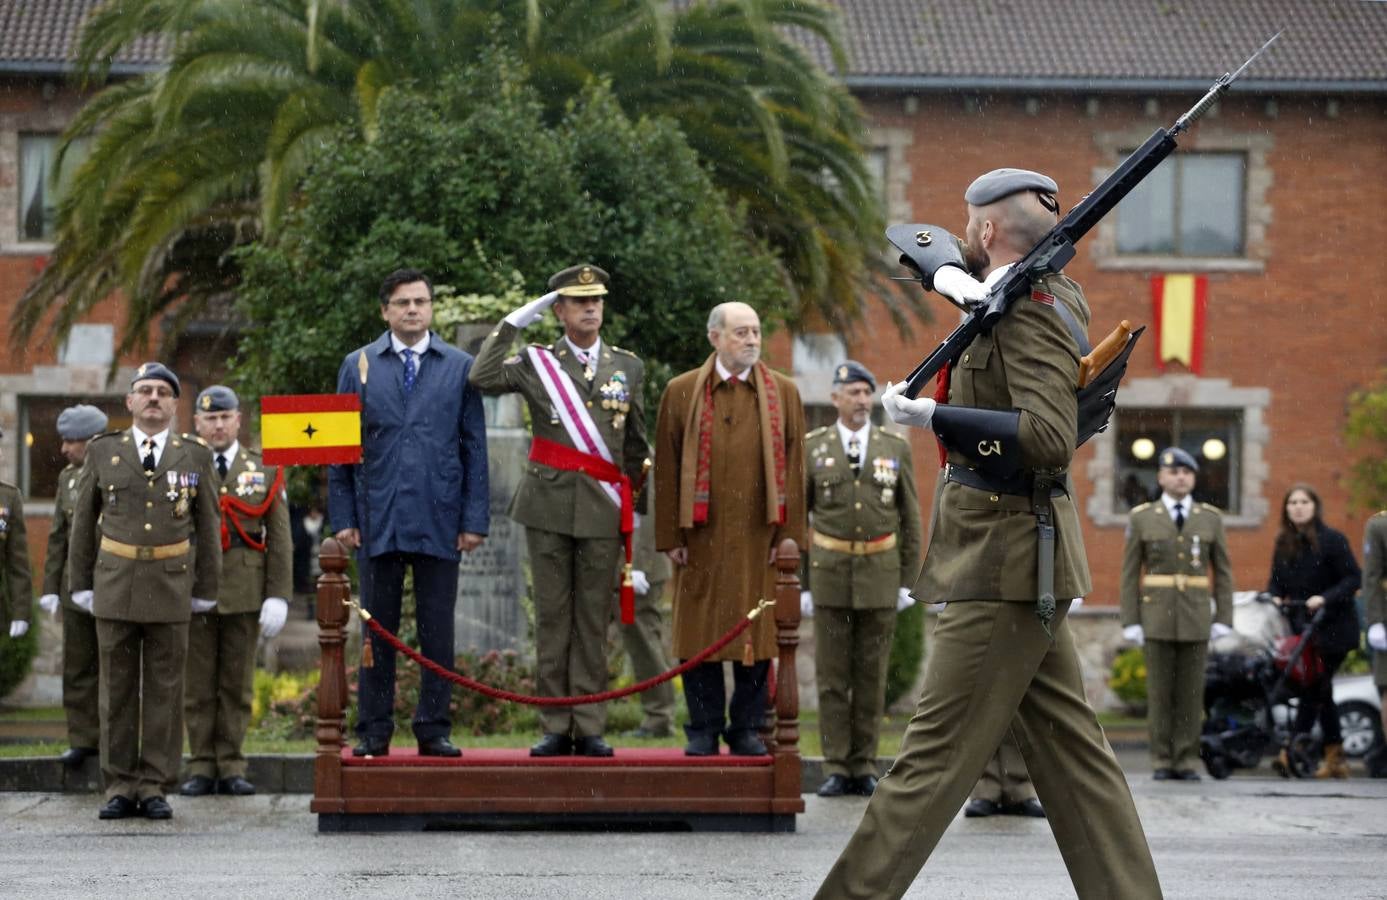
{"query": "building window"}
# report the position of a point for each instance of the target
(1212, 436)
(877, 160)
(1192, 205)
(42, 182)
(40, 454)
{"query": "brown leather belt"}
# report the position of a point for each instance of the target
(142, 552)
(1179, 582)
(856, 548)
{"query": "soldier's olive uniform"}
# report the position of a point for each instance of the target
(572, 528)
(16, 584)
(81, 661)
(646, 640)
(221, 644)
(865, 547)
(991, 664)
(1375, 586)
(1166, 589)
(145, 544)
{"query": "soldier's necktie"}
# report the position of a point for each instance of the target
(855, 455)
(589, 372)
(221, 465)
(148, 454)
(1180, 516)
(411, 370)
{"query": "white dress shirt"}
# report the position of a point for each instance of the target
(586, 357)
(400, 347)
(160, 440)
(229, 453)
(1171, 504)
(861, 435)
(726, 374)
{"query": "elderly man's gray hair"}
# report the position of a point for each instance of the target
(717, 317)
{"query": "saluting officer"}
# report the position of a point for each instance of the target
(864, 556)
(16, 584)
(1176, 543)
(77, 425)
(145, 554)
(257, 570)
(587, 415)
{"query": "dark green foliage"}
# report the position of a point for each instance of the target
(16, 655)
(1366, 430)
(907, 652)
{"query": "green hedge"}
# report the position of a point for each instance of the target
(16, 656)
(907, 652)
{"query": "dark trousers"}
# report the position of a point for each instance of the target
(1317, 702)
(707, 699)
(435, 595)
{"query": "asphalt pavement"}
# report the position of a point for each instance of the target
(1253, 836)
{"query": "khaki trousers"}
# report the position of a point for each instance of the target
(573, 583)
(218, 690)
(1005, 779)
(1175, 701)
(644, 640)
(991, 667)
(852, 650)
(81, 678)
(141, 705)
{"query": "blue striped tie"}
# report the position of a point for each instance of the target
(411, 370)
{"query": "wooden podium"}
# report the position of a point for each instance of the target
(639, 789)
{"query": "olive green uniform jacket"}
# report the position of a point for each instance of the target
(1375, 585)
(80, 651)
(55, 563)
(1158, 562)
(16, 584)
(249, 576)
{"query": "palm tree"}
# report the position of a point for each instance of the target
(187, 162)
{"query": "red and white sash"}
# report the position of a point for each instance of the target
(573, 412)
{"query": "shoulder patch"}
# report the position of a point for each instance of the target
(1209, 507)
(108, 434)
(194, 438)
(817, 432)
(623, 351)
(1137, 509)
(1044, 297)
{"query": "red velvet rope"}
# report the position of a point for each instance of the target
(532, 700)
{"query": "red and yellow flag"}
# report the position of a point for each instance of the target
(1177, 311)
(310, 429)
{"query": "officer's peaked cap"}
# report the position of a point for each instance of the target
(585, 280)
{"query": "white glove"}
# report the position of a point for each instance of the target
(937, 607)
(49, 604)
(533, 311)
(1377, 636)
(903, 411)
(951, 281)
(903, 599)
(82, 600)
(18, 628)
(1218, 630)
(635, 521)
(640, 582)
(1133, 634)
(202, 606)
(273, 612)
(806, 605)
(1076, 603)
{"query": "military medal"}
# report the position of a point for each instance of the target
(4, 519)
(887, 495)
(174, 482)
(1194, 551)
(616, 398)
(180, 505)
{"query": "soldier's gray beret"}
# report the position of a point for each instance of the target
(1174, 458)
(850, 370)
(78, 423)
(216, 398)
(158, 371)
(1001, 183)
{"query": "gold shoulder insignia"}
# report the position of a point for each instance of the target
(1137, 509)
(624, 352)
(108, 434)
(194, 438)
(816, 432)
(1209, 507)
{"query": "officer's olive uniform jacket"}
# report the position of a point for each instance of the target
(249, 576)
(16, 585)
(550, 499)
(117, 499)
(879, 500)
(55, 580)
(1181, 611)
(1375, 569)
(983, 546)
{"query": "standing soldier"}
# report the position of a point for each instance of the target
(865, 554)
(645, 639)
(16, 584)
(1375, 609)
(257, 569)
(1175, 542)
(145, 554)
(77, 425)
(587, 416)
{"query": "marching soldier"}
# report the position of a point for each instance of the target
(257, 568)
(145, 554)
(16, 584)
(864, 556)
(77, 425)
(1172, 545)
(587, 416)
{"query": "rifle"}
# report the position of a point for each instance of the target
(1056, 249)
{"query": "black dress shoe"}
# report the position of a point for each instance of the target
(197, 786)
(1163, 774)
(592, 745)
(1029, 807)
(553, 745)
(744, 743)
(701, 745)
(235, 786)
(440, 746)
(978, 808)
(1187, 775)
(73, 757)
(835, 786)
(372, 747)
(118, 807)
(864, 785)
(156, 808)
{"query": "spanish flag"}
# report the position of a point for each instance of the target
(310, 429)
(1177, 311)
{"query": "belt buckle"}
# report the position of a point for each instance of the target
(144, 553)
(1181, 581)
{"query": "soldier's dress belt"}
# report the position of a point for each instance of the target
(144, 552)
(1020, 485)
(856, 548)
(1179, 582)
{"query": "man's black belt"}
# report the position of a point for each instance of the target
(1022, 484)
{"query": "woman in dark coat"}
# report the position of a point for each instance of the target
(1313, 565)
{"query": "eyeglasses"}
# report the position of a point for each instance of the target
(149, 390)
(406, 302)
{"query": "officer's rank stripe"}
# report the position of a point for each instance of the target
(310, 429)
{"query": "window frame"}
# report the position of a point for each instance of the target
(1178, 161)
(1176, 415)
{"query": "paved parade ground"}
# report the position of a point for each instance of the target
(1252, 837)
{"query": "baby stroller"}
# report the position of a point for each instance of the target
(1241, 688)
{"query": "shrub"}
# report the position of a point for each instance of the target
(907, 650)
(1128, 679)
(16, 656)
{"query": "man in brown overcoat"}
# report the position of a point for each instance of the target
(729, 477)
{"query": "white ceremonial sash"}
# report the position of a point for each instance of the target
(572, 412)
